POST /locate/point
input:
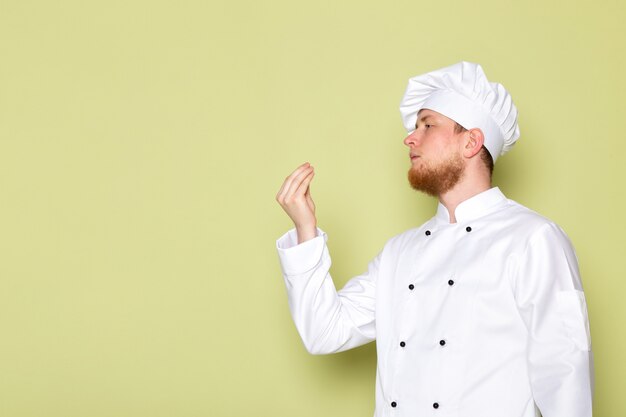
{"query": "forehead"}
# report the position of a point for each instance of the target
(424, 113)
(428, 115)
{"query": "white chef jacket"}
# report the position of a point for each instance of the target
(485, 317)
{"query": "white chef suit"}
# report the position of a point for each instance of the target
(485, 317)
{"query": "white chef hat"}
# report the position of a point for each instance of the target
(463, 93)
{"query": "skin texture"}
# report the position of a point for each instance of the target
(444, 163)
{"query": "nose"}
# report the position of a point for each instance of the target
(411, 140)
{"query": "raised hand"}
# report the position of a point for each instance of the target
(295, 198)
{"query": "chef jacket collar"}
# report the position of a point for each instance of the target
(474, 207)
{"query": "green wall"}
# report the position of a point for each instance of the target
(142, 144)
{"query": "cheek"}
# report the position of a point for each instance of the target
(435, 145)
(440, 152)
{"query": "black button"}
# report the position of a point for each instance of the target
(393, 404)
(468, 229)
(411, 286)
(428, 233)
(442, 342)
(450, 282)
(436, 405)
(402, 344)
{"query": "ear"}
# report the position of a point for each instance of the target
(474, 140)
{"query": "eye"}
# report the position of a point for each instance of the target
(427, 126)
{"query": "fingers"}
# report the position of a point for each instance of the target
(294, 197)
(288, 180)
(292, 183)
(307, 194)
(296, 182)
(303, 188)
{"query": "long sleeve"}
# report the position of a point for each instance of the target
(328, 320)
(551, 302)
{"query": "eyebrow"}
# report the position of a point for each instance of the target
(423, 118)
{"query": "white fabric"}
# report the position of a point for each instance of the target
(463, 93)
(514, 321)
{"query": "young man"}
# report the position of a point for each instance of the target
(479, 312)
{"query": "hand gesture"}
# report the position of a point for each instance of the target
(295, 198)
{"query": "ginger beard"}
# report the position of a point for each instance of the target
(436, 178)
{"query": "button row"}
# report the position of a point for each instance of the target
(467, 229)
(412, 287)
(441, 342)
(395, 404)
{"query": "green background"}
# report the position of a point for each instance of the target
(142, 144)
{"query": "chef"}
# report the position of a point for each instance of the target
(480, 311)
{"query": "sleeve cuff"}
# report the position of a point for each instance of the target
(300, 258)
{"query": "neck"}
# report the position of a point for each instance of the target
(464, 189)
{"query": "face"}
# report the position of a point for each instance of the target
(434, 149)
